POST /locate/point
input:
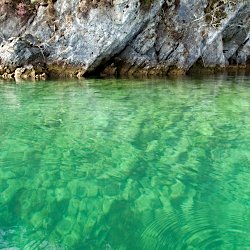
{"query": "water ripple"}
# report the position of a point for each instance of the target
(103, 164)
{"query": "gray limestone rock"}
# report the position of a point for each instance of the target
(179, 37)
(126, 37)
(17, 52)
(243, 54)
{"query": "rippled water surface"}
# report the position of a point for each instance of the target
(125, 164)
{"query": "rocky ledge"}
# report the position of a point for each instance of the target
(40, 39)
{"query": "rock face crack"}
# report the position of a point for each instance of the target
(171, 52)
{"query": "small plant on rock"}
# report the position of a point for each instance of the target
(21, 10)
(86, 5)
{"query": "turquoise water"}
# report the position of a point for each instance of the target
(125, 164)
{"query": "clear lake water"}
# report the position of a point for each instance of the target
(125, 164)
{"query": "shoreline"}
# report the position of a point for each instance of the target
(57, 72)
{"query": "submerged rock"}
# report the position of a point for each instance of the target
(75, 38)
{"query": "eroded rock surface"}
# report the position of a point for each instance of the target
(72, 38)
(16, 52)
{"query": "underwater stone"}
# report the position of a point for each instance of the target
(73, 207)
(37, 219)
(91, 190)
(83, 205)
(144, 202)
(64, 226)
(81, 218)
(70, 240)
(112, 189)
(107, 202)
(73, 186)
(11, 190)
(177, 190)
(7, 174)
(61, 194)
(91, 221)
(131, 191)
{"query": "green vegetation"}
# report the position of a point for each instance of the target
(145, 4)
(21, 8)
(86, 5)
(215, 11)
(25, 8)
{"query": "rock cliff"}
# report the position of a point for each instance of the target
(121, 37)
